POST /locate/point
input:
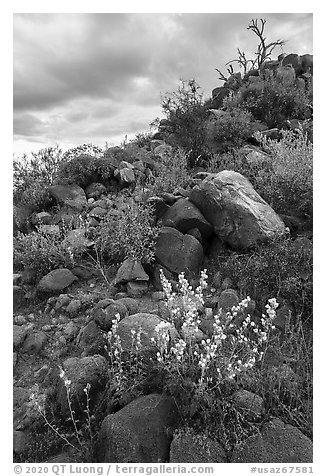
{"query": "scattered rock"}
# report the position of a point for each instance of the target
(18, 297)
(228, 299)
(146, 324)
(16, 279)
(98, 212)
(183, 215)
(250, 403)
(34, 342)
(159, 206)
(91, 340)
(56, 281)
(158, 296)
(74, 307)
(276, 443)
(20, 442)
(70, 195)
(104, 317)
(61, 301)
(91, 370)
(177, 252)
(137, 289)
(19, 335)
(95, 190)
(191, 448)
(42, 218)
(226, 283)
(139, 433)
(131, 304)
(130, 270)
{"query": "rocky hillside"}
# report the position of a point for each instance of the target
(124, 349)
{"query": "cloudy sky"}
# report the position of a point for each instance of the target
(86, 77)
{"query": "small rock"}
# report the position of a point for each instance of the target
(131, 270)
(98, 212)
(56, 281)
(20, 442)
(226, 283)
(71, 330)
(34, 342)
(20, 320)
(18, 297)
(158, 296)
(91, 340)
(104, 317)
(252, 404)
(80, 371)
(17, 279)
(73, 307)
(61, 301)
(137, 288)
(131, 304)
(187, 447)
(19, 335)
(121, 295)
(228, 299)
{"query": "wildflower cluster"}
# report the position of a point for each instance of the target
(185, 304)
(124, 369)
(38, 402)
(235, 344)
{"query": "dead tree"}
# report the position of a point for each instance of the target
(263, 52)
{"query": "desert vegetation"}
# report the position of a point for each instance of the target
(226, 341)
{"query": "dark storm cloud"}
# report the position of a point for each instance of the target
(77, 74)
(27, 124)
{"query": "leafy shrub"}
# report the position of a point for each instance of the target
(171, 172)
(31, 177)
(44, 251)
(288, 187)
(85, 149)
(127, 232)
(272, 100)
(286, 183)
(228, 131)
(85, 169)
(186, 113)
(143, 139)
(282, 269)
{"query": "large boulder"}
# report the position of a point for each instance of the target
(177, 252)
(72, 196)
(240, 217)
(307, 63)
(184, 216)
(139, 433)
(56, 281)
(277, 442)
(294, 60)
(219, 94)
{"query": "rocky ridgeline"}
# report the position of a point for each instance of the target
(292, 69)
(214, 212)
